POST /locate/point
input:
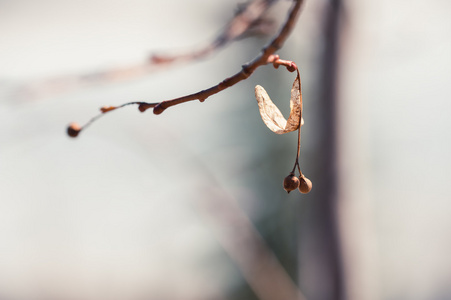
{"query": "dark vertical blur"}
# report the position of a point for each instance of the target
(322, 278)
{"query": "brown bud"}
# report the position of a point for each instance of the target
(158, 109)
(73, 130)
(144, 106)
(292, 67)
(290, 183)
(106, 109)
(305, 185)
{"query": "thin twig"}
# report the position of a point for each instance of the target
(249, 20)
(246, 70)
(296, 163)
(247, 17)
(265, 57)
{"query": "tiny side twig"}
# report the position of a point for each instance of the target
(266, 56)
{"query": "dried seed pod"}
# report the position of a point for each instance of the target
(290, 183)
(73, 130)
(305, 184)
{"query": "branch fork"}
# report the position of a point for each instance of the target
(266, 56)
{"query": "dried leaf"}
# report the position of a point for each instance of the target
(271, 114)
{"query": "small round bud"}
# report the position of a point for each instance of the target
(290, 183)
(158, 109)
(292, 67)
(144, 106)
(305, 185)
(73, 130)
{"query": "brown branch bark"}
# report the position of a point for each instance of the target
(246, 70)
(249, 20)
(248, 16)
(265, 57)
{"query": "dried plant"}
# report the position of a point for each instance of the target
(275, 121)
(248, 18)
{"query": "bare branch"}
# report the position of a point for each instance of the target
(265, 57)
(247, 18)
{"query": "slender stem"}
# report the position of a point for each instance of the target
(294, 167)
(299, 150)
(246, 70)
(265, 57)
(105, 110)
(241, 23)
(296, 163)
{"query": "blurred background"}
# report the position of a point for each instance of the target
(189, 204)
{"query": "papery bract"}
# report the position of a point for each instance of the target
(271, 114)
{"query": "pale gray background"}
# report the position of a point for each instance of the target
(111, 215)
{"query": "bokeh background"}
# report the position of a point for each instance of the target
(188, 204)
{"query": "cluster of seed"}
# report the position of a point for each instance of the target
(302, 183)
